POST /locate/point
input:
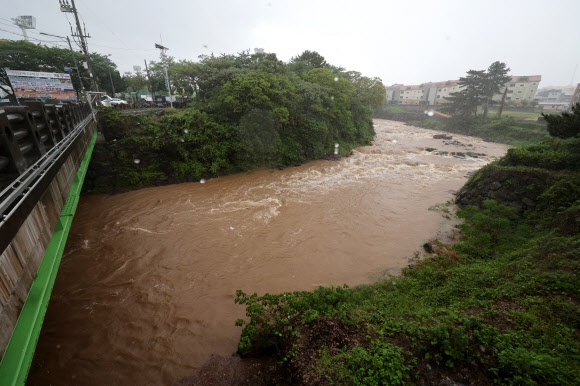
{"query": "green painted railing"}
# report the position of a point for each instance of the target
(20, 350)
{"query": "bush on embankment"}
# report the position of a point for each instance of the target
(501, 306)
(250, 111)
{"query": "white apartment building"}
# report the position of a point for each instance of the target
(521, 88)
(434, 93)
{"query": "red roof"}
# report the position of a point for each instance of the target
(526, 78)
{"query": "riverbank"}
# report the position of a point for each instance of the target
(500, 306)
(514, 128)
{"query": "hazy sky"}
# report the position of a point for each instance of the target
(399, 41)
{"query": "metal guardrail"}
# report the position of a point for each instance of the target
(34, 140)
(31, 138)
(27, 132)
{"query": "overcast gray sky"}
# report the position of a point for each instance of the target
(399, 41)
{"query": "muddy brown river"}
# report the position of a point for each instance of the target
(145, 293)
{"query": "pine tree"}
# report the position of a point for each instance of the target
(565, 125)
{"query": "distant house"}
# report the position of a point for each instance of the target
(549, 96)
(519, 88)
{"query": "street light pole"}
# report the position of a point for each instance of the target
(111, 79)
(165, 65)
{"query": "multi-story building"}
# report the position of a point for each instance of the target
(519, 88)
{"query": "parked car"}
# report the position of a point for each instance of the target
(108, 101)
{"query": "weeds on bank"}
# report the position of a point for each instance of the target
(502, 306)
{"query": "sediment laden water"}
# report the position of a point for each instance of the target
(145, 293)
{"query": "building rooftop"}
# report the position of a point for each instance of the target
(455, 82)
(526, 78)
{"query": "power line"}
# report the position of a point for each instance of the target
(43, 41)
(105, 24)
(14, 26)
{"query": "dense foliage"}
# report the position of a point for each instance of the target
(249, 111)
(566, 124)
(27, 56)
(498, 307)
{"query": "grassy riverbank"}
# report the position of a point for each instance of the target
(514, 128)
(499, 306)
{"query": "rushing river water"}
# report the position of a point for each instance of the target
(145, 293)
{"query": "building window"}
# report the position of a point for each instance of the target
(508, 98)
(510, 91)
(512, 85)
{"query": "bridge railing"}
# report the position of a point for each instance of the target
(32, 138)
(27, 132)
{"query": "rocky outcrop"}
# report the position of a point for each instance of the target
(518, 187)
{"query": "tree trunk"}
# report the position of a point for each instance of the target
(502, 103)
(485, 108)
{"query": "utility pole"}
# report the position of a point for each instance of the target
(66, 7)
(73, 56)
(149, 78)
(110, 78)
(164, 61)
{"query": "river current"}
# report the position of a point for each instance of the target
(145, 292)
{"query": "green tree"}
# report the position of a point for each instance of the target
(105, 70)
(134, 82)
(566, 124)
(185, 76)
(311, 59)
(465, 102)
(495, 78)
(478, 89)
(212, 72)
(158, 75)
